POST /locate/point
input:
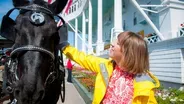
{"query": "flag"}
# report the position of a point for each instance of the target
(59, 23)
(65, 10)
(50, 1)
(67, 7)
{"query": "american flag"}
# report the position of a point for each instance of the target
(69, 3)
(50, 1)
(66, 9)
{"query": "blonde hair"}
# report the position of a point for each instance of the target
(135, 52)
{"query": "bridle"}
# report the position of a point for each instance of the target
(14, 55)
(32, 48)
(56, 61)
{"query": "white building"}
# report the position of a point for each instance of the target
(96, 22)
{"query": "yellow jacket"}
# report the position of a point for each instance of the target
(143, 88)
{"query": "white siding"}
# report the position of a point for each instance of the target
(182, 66)
(166, 60)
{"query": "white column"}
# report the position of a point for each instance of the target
(90, 48)
(76, 32)
(83, 31)
(117, 18)
(100, 44)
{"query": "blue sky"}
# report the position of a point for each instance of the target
(5, 6)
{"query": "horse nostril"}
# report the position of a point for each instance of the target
(17, 92)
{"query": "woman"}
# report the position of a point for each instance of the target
(69, 67)
(123, 79)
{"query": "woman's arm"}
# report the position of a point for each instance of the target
(89, 62)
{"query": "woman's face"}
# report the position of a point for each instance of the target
(115, 51)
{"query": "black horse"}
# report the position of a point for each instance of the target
(32, 71)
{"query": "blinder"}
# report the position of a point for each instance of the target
(37, 18)
(7, 27)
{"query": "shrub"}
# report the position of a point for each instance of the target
(169, 96)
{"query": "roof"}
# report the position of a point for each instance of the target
(4, 43)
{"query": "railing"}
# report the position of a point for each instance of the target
(152, 39)
(155, 38)
(113, 33)
(104, 52)
(181, 32)
(78, 35)
(2, 38)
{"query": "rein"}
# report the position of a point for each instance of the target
(32, 48)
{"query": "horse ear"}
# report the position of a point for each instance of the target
(7, 29)
(57, 5)
(17, 3)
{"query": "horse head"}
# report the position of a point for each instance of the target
(35, 36)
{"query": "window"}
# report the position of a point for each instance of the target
(123, 3)
(135, 19)
(149, 13)
(124, 24)
(109, 17)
